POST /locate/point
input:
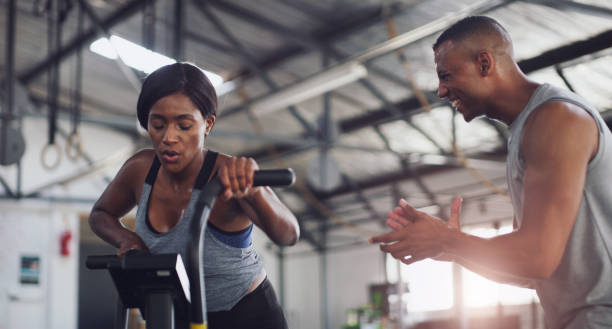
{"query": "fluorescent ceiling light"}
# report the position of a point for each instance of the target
(310, 87)
(145, 60)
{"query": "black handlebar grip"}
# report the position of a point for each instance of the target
(101, 262)
(274, 177)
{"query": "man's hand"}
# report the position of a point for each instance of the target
(417, 235)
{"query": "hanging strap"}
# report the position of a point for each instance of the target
(74, 148)
(207, 167)
(153, 171)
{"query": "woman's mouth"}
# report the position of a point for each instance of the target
(170, 156)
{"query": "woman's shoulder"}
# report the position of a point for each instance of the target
(138, 164)
(142, 158)
(222, 156)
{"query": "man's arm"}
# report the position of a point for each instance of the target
(558, 142)
(396, 221)
(496, 276)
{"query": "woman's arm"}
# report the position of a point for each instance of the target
(266, 210)
(118, 198)
(260, 204)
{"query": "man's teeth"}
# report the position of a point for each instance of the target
(455, 103)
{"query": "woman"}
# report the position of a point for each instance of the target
(177, 106)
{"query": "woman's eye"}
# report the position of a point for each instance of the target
(185, 125)
(157, 125)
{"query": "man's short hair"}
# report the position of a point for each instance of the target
(469, 26)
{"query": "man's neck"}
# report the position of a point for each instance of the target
(512, 99)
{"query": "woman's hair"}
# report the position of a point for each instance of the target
(183, 78)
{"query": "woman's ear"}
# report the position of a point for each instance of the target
(210, 121)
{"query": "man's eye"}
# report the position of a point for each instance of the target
(157, 125)
(185, 127)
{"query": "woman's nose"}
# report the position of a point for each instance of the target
(170, 136)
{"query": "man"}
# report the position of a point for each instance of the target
(558, 168)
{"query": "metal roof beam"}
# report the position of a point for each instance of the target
(575, 6)
(248, 59)
(268, 24)
(411, 106)
(319, 41)
(79, 41)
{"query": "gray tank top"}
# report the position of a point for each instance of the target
(579, 293)
(228, 271)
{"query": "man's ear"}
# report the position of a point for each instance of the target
(485, 62)
(210, 121)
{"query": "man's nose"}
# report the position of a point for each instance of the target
(442, 91)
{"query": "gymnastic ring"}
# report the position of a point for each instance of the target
(43, 156)
(74, 148)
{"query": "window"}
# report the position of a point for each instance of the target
(430, 283)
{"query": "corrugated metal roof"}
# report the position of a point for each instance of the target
(288, 41)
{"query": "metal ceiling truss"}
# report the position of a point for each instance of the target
(412, 106)
(575, 6)
(300, 43)
(249, 60)
(81, 40)
(303, 43)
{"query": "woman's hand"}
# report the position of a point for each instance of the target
(236, 176)
(131, 241)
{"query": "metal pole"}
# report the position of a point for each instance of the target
(462, 319)
(7, 111)
(323, 277)
(400, 295)
(121, 315)
(149, 20)
(177, 49)
(159, 310)
(281, 276)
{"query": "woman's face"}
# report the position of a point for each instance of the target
(177, 130)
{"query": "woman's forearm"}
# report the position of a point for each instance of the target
(109, 228)
(274, 217)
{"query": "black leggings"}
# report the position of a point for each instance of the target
(258, 310)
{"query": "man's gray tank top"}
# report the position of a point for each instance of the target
(228, 271)
(579, 292)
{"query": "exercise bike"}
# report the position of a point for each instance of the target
(158, 284)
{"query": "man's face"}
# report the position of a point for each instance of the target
(459, 80)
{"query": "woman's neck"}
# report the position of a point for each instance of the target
(185, 179)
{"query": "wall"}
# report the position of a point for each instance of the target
(349, 273)
(33, 229)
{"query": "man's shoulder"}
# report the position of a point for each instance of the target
(558, 114)
(561, 126)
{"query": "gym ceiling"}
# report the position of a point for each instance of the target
(373, 138)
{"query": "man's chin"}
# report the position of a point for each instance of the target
(469, 116)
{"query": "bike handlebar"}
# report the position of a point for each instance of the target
(101, 262)
(274, 177)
